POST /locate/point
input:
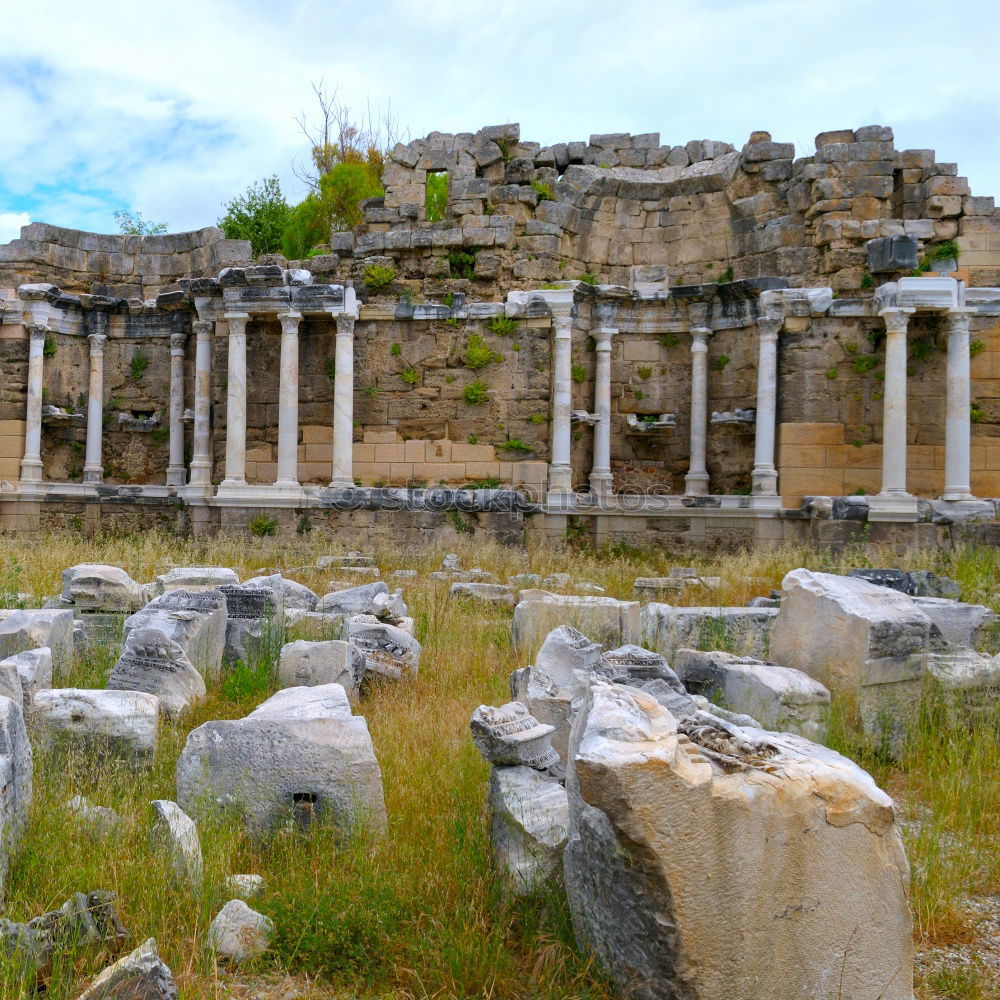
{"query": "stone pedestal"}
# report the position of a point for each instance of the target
(893, 502)
(236, 404)
(600, 475)
(343, 404)
(31, 463)
(288, 403)
(175, 470)
(201, 459)
(696, 481)
(958, 415)
(93, 468)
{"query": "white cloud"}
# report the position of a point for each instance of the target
(173, 113)
(10, 225)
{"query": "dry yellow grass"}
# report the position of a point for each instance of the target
(419, 914)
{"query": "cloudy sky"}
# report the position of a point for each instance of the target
(171, 109)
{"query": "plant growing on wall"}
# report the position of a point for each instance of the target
(138, 365)
(478, 354)
(378, 277)
(515, 444)
(462, 263)
(49, 346)
(133, 224)
(259, 215)
(476, 393)
(543, 191)
(578, 373)
(864, 363)
(504, 326)
(410, 375)
(262, 526)
(720, 362)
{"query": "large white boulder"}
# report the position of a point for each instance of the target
(15, 780)
(299, 756)
(746, 631)
(306, 664)
(153, 663)
(32, 629)
(960, 624)
(194, 620)
(604, 619)
(238, 932)
(529, 824)
(352, 601)
(96, 587)
(123, 721)
(252, 613)
(779, 698)
(728, 862)
(389, 650)
(33, 668)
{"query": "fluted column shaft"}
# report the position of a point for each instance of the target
(696, 481)
(31, 463)
(201, 459)
(560, 463)
(93, 466)
(958, 414)
(894, 402)
(765, 475)
(343, 403)
(236, 401)
(175, 469)
(600, 476)
(288, 401)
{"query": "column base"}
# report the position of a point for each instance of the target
(957, 493)
(235, 488)
(601, 484)
(765, 481)
(93, 477)
(176, 475)
(287, 488)
(893, 507)
(343, 483)
(696, 484)
(31, 470)
(560, 499)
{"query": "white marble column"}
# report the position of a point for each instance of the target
(288, 402)
(236, 402)
(31, 463)
(600, 475)
(696, 481)
(894, 404)
(958, 416)
(201, 458)
(343, 404)
(175, 469)
(93, 467)
(765, 475)
(560, 462)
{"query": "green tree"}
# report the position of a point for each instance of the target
(133, 224)
(308, 226)
(345, 186)
(259, 215)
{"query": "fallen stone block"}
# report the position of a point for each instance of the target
(529, 824)
(195, 579)
(307, 664)
(98, 820)
(298, 758)
(15, 780)
(251, 615)
(153, 663)
(122, 722)
(605, 619)
(915, 583)
(24, 630)
(176, 833)
(96, 587)
(141, 975)
(389, 650)
(483, 593)
(293, 595)
(238, 932)
(510, 735)
(196, 621)
(973, 625)
(352, 601)
(779, 698)
(659, 811)
(313, 625)
(245, 886)
(747, 631)
(33, 669)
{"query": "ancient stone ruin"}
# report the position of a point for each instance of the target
(693, 343)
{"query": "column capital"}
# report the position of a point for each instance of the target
(958, 320)
(562, 326)
(202, 328)
(345, 324)
(290, 322)
(237, 322)
(37, 331)
(770, 326)
(896, 320)
(699, 338)
(602, 337)
(97, 343)
(177, 343)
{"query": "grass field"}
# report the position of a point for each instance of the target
(418, 913)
